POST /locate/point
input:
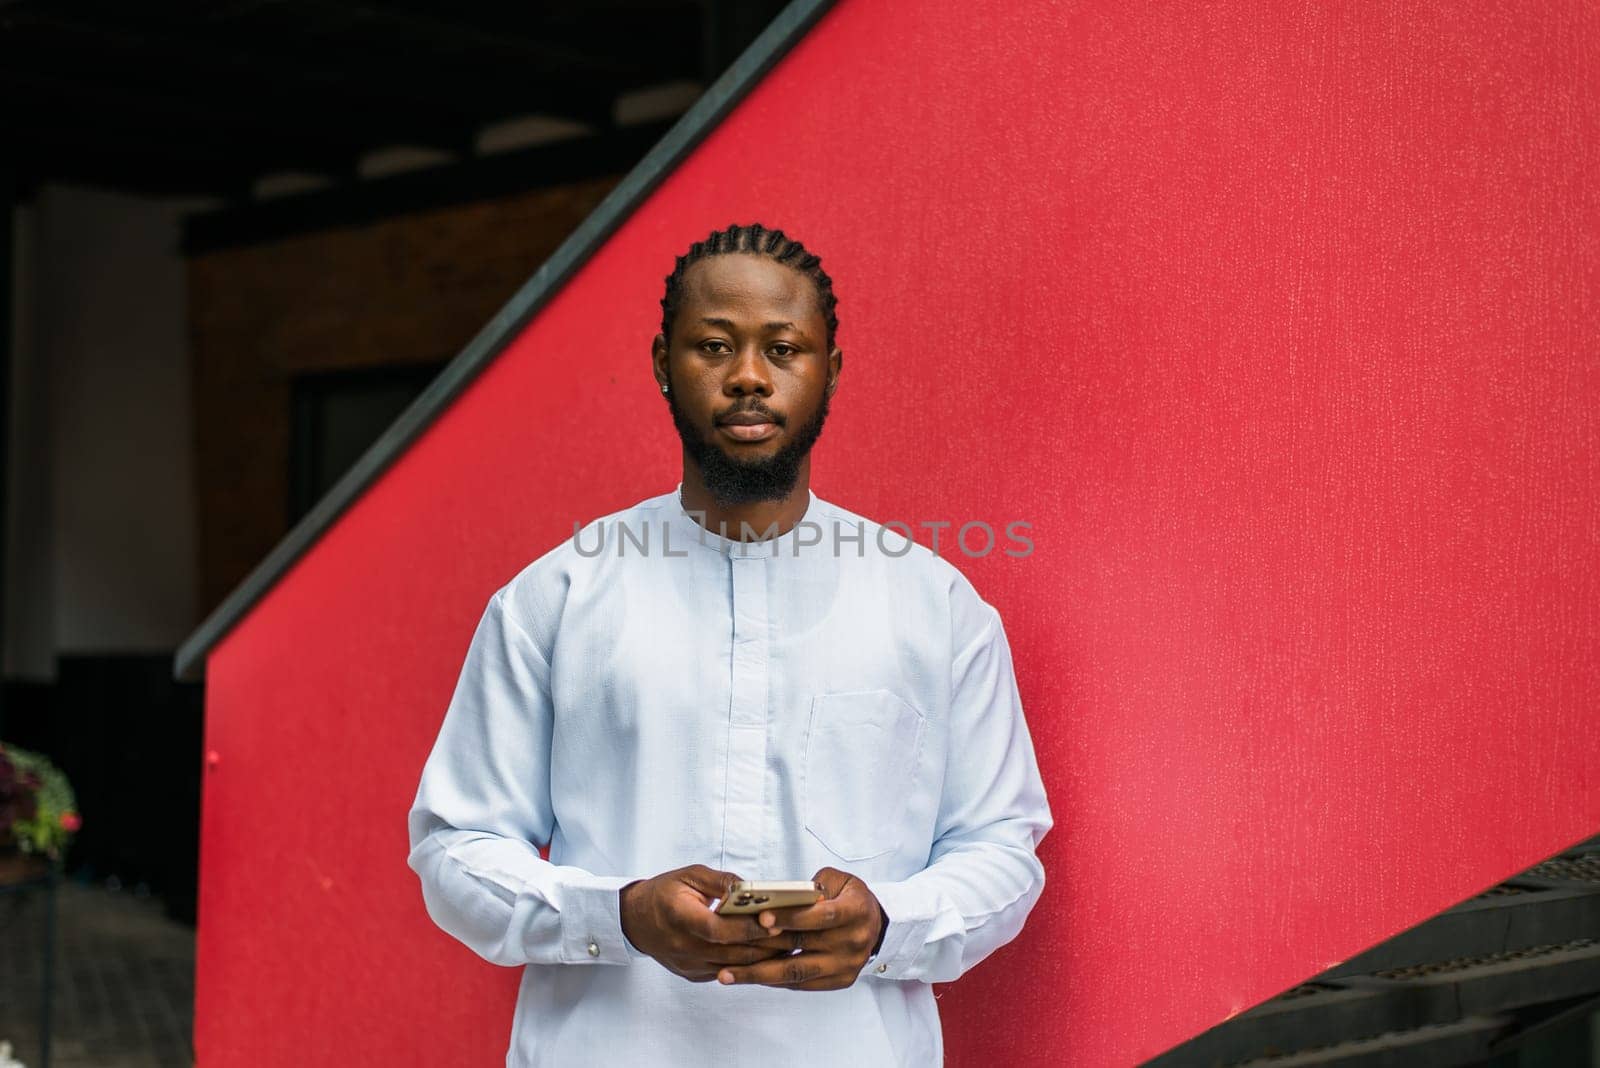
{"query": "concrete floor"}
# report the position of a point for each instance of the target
(124, 980)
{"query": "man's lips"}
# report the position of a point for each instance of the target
(748, 426)
(749, 431)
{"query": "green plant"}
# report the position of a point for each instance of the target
(37, 807)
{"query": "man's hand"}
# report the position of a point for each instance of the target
(669, 917)
(835, 937)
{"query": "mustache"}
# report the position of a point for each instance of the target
(756, 408)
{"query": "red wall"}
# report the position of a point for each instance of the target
(1278, 322)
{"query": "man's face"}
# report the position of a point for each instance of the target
(749, 372)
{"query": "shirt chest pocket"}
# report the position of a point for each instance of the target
(862, 751)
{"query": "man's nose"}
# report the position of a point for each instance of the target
(748, 373)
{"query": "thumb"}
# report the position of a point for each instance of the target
(832, 880)
(709, 881)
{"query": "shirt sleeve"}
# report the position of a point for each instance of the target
(983, 875)
(483, 809)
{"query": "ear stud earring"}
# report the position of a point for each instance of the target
(663, 389)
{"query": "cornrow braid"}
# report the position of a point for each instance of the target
(763, 242)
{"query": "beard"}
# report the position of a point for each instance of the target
(732, 481)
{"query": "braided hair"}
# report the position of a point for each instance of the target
(757, 239)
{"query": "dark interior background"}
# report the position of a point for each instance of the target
(289, 168)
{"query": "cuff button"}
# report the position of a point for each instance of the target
(594, 949)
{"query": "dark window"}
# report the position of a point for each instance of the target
(336, 416)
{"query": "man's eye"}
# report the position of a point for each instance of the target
(714, 346)
(783, 350)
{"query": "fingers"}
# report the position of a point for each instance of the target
(832, 880)
(808, 941)
(819, 917)
(722, 930)
(796, 971)
(717, 956)
(708, 881)
(841, 894)
(779, 917)
(785, 941)
(700, 961)
(691, 915)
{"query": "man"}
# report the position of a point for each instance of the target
(734, 680)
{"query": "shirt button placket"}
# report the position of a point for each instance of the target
(744, 820)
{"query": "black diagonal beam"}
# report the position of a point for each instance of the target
(774, 42)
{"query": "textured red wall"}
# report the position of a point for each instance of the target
(1278, 322)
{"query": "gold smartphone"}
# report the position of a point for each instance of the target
(747, 898)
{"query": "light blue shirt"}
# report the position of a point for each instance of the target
(650, 695)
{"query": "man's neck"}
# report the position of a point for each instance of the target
(760, 519)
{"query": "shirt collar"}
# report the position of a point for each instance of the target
(782, 545)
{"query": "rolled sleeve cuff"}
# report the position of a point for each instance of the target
(591, 921)
(910, 919)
